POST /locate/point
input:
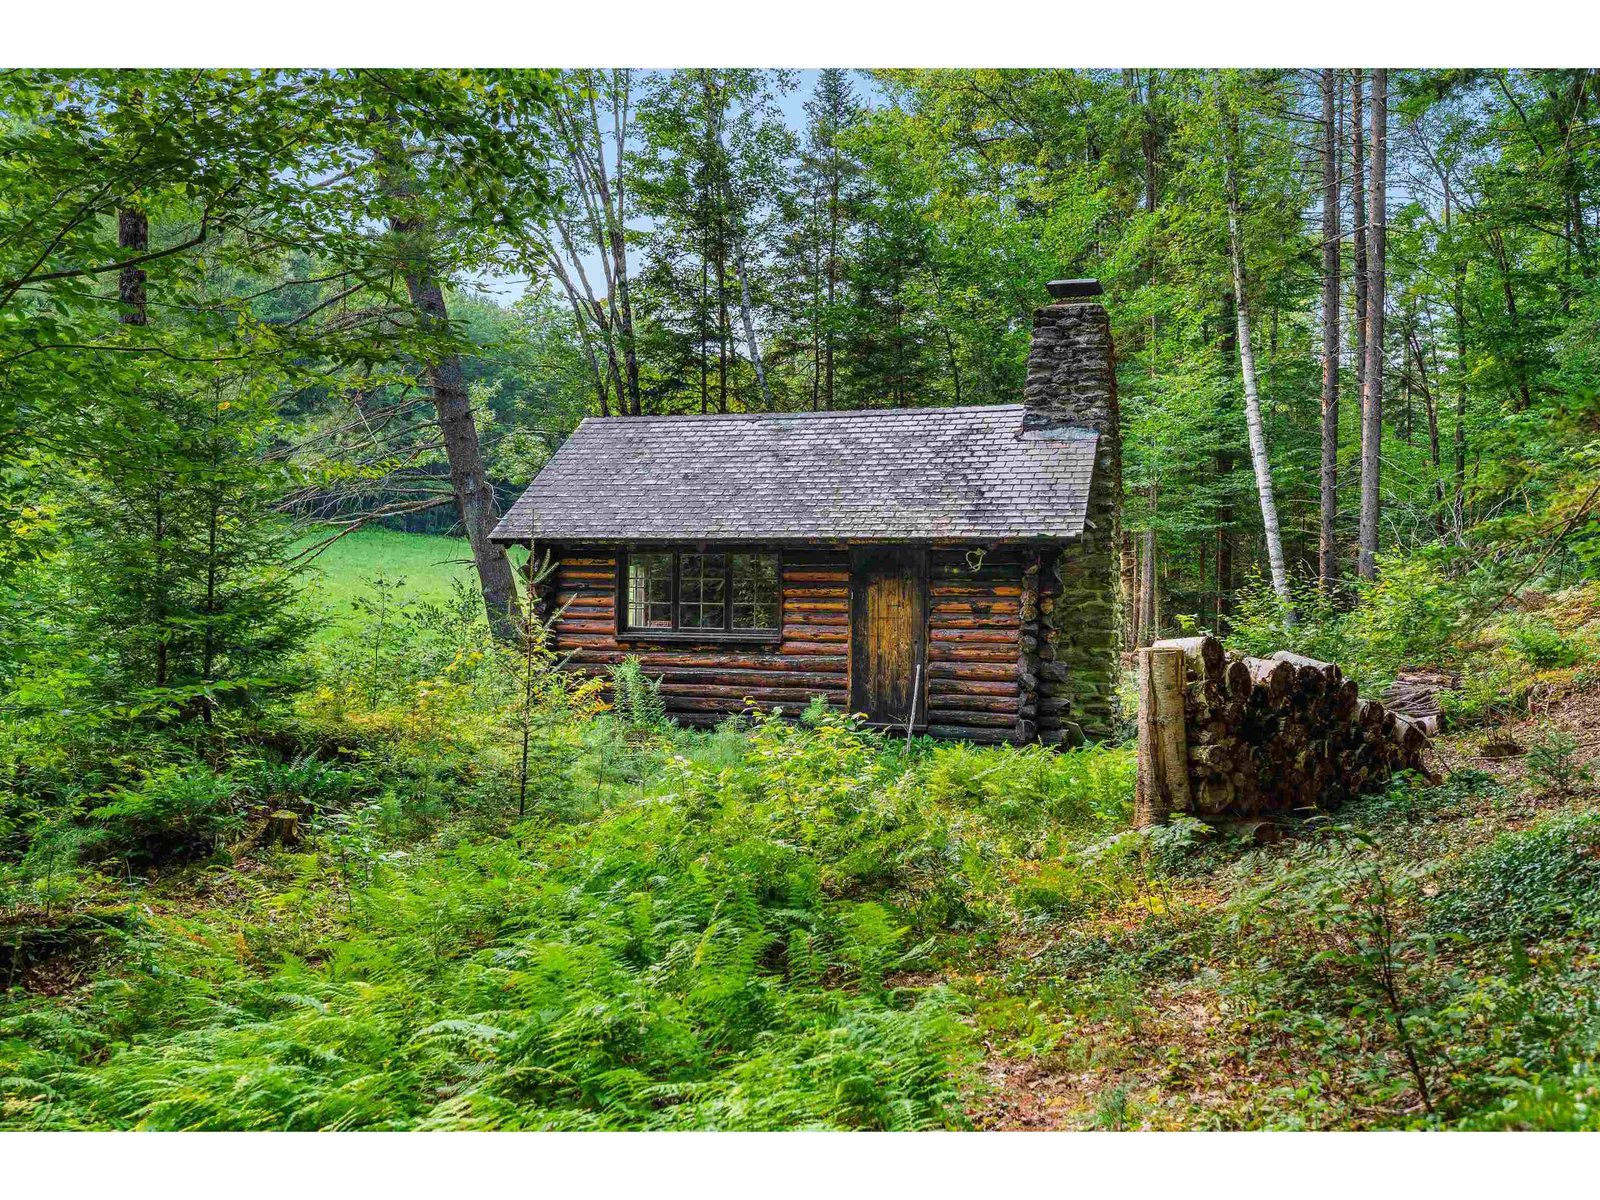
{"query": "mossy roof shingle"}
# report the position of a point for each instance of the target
(991, 472)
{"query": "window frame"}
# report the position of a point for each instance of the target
(629, 633)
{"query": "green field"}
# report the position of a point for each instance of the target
(427, 563)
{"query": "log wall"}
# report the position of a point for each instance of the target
(975, 621)
(703, 681)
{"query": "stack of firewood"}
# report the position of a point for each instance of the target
(1415, 692)
(1279, 734)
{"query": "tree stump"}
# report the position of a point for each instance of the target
(283, 829)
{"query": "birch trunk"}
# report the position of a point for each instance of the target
(1252, 397)
(745, 317)
(1327, 548)
(750, 325)
(1372, 392)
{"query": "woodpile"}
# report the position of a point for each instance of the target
(1416, 694)
(1260, 736)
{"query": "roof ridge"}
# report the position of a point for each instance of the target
(648, 418)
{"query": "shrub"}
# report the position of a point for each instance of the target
(636, 697)
(175, 811)
(1553, 764)
(1540, 644)
(1525, 884)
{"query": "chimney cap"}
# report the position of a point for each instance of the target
(1073, 289)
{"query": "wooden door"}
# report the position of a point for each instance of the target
(888, 630)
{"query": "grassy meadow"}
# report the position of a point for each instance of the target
(425, 566)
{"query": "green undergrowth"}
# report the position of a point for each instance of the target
(738, 929)
(786, 922)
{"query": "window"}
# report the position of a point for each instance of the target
(701, 594)
(702, 591)
(650, 591)
(755, 591)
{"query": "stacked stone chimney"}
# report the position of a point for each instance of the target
(1072, 385)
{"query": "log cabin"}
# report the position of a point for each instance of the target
(951, 570)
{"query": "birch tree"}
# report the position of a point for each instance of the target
(592, 128)
(1247, 364)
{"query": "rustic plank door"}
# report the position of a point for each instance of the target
(888, 632)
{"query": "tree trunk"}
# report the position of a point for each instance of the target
(1247, 365)
(1327, 548)
(750, 325)
(1224, 547)
(453, 406)
(745, 316)
(468, 478)
(1460, 439)
(834, 188)
(1358, 203)
(133, 234)
(1497, 243)
(1372, 393)
(1128, 571)
(1431, 409)
(1149, 617)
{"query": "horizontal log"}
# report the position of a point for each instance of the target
(1203, 656)
(1329, 671)
(972, 687)
(734, 704)
(963, 716)
(567, 624)
(941, 703)
(750, 676)
(972, 670)
(827, 635)
(973, 637)
(586, 612)
(961, 591)
(597, 640)
(656, 663)
(761, 695)
(1008, 623)
(814, 575)
(974, 608)
(814, 592)
(997, 656)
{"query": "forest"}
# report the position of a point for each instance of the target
(303, 826)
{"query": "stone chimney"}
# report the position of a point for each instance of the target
(1072, 387)
(1071, 365)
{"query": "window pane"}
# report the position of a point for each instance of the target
(650, 591)
(755, 591)
(702, 586)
